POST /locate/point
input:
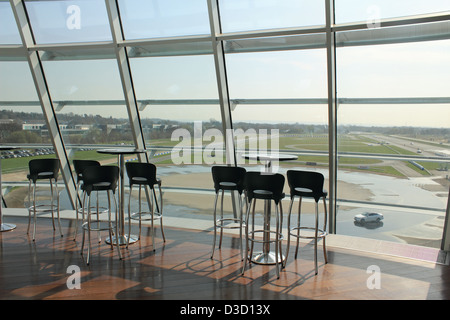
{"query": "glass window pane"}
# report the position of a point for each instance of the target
(179, 109)
(399, 70)
(64, 21)
(393, 119)
(20, 105)
(180, 77)
(245, 15)
(163, 18)
(279, 102)
(89, 103)
(175, 92)
(371, 10)
(21, 124)
(278, 74)
(8, 27)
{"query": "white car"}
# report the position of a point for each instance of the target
(369, 217)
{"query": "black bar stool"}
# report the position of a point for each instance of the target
(231, 179)
(79, 166)
(42, 169)
(144, 174)
(268, 187)
(103, 178)
(310, 185)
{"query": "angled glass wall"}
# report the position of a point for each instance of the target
(392, 99)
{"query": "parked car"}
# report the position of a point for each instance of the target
(369, 217)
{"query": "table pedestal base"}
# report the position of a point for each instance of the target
(266, 258)
(7, 227)
(123, 240)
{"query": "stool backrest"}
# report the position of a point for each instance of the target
(306, 179)
(273, 182)
(79, 166)
(37, 166)
(228, 174)
(108, 175)
(141, 169)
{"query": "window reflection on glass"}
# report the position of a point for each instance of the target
(246, 15)
(68, 21)
(163, 18)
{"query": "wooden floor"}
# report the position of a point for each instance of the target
(181, 269)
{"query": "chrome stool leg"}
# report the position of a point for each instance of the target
(215, 225)
(318, 232)
(219, 223)
(77, 208)
(160, 209)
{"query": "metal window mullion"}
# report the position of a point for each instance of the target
(125, 74)
(224, 98)
(332, 113)
(43, 93)
(222, 83)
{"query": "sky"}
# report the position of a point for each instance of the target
(398, 70)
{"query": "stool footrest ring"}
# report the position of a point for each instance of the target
(280, 236)
(135, 216)
(220, 221)
(320, 232)
(98, 226)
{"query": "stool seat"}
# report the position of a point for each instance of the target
(306, 192)
(98, 186)
(228, 186)
(267, 195)
(144, 180)
(41, 175)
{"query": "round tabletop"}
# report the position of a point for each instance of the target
(121, 150)
(270, 157)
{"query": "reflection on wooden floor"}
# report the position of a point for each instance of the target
(182, 269)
